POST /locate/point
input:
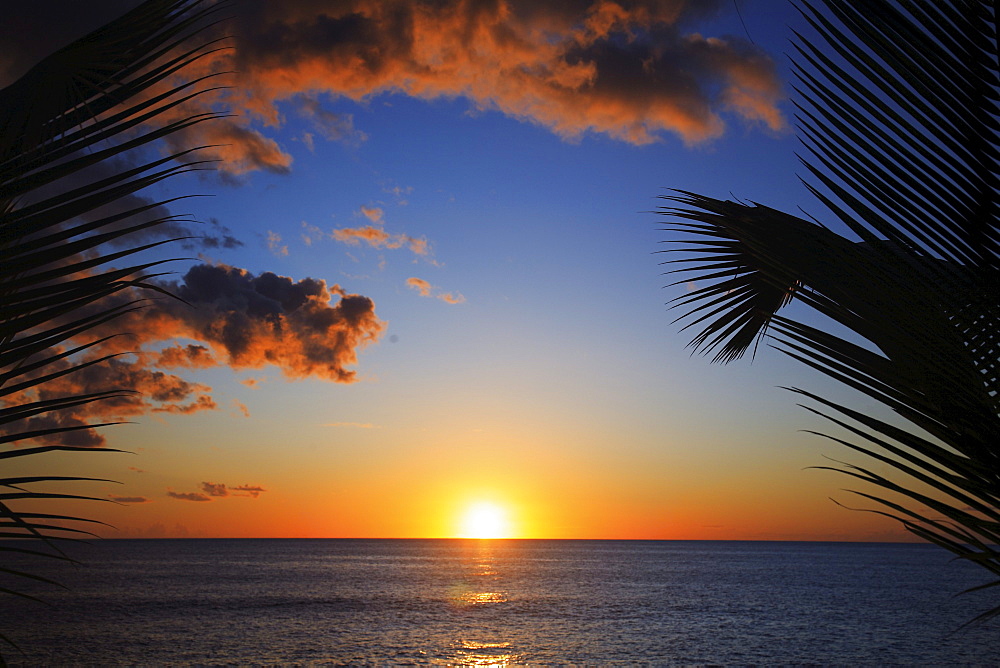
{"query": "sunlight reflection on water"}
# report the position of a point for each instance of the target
(493, 654)
(482, 586)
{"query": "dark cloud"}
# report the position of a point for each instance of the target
(217, 490)
(305, 328)
(129, 499)
(190, 356)
(214, 489)
(193, 235)
(633, 70)
(80, 438)
(187, 496)
(335, 127)
(252, 491)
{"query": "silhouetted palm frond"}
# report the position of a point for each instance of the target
(85, 106)
(899, 107)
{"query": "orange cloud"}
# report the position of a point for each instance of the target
(305, 328)
(632, 70)
(190, 356)
(421, 285)
(274, 244)
(425, 289)
(450, 298)
(253, 321)
(379, 238)
(373, 214)
(624, 69)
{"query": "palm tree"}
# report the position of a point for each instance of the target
(81, 109)
(900, 114)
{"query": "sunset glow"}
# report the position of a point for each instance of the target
(485, 520)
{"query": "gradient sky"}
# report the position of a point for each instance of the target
(499, 331)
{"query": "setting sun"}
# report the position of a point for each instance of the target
(485, 520)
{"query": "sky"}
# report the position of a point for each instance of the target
(427, 280)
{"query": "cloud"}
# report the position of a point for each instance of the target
(311, 233)
(238, 147)
(252, 491)
(214, 489)
(241, 407)
(379, 238)
(398, 192)
(425, 289)
(274, 244)
(187, 496)
(421, 285)
(632, 70)
(217, 490)
(629, 70)
(307, 139)
(451, 298)
(373, 214)
(129, 499)
(190, 356)
(135, 209)
(305, 328)
(335, 127)
(250, 321)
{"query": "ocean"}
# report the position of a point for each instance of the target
(503, 602)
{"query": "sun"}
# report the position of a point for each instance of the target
(484, 520)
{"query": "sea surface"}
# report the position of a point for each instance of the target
(504, 602)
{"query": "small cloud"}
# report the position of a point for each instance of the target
(418, 246)
(241, 407)
(311, 233)
(202, 403)
(219, 236)
(189, 357)
(274, 244)
(128, 499)
(333, 126)
(356, 425)
(398, 192)
(252, 491)
(426, 289)
(214, 489)
(187, 496)
(307, 139)
(373, 214)
(252, 383)
(132, 468)
(376, 237)
(420, 284)
(451, 298)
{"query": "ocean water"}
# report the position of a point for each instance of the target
(504, 602)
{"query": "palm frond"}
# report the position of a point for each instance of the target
(96, 103)
(900, 119)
